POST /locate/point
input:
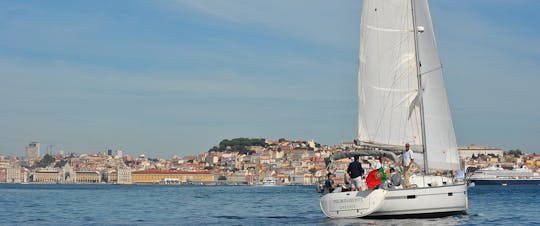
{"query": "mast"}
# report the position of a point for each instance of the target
(420, 87)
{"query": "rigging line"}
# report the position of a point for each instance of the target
(432, 70)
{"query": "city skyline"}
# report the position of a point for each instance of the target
(176, 77)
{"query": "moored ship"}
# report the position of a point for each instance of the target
(269, 181)
(499, 176)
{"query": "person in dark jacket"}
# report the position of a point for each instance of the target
(355, 172)
(329, 183)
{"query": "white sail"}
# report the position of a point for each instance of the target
(388, 112)
(389, 96)
(440, 142)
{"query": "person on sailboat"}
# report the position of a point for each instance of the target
(395, 179)
(379, 163)
(381, 168)
(355, 172)
(329, 183)
(408, 160)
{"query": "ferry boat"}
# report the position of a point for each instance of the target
(498, 176)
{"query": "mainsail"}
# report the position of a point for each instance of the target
(390, 99)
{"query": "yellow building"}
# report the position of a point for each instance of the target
(46, 176)
(112, 177)
(86, 177)
(155, 177)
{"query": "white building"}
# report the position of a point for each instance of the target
(67, 174)
(14, 175)
(124, 175)
(470, 150)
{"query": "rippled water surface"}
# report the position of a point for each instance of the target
(230, 205)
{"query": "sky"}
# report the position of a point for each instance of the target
(176, 77)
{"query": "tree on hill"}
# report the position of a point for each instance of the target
(243, 142)
(45, 161)
(239, 144)
(60, 163)
(516, 153)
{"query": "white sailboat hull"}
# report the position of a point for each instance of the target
(441, 200)
(419, 201)
(352, 204)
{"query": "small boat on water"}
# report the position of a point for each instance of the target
(498, 176)
(269, 181)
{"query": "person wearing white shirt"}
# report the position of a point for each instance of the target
(408, 160)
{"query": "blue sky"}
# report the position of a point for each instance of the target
(175, 77)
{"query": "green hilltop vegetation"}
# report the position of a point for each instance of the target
(239, 144)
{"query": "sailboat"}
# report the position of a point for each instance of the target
(402, 99)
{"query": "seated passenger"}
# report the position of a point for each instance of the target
(329, 183)
(395, 179)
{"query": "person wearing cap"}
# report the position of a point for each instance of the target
(408, 160)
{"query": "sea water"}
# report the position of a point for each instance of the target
(231, 205)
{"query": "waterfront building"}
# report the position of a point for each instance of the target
(67, 174)
(3, 176)
(46, 176)
(470, 150)
(32, 151)
(155, 176)
(124, 175)
(15, 174)
(297, 179)
(237, 178)
(110, 177)
(310, 179)
(88, 177)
